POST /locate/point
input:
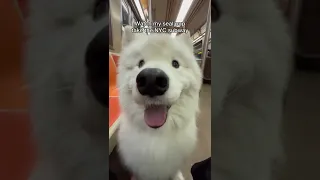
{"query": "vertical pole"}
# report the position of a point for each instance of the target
(150, 10)
(206, 38)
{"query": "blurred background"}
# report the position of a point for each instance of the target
(302, 115)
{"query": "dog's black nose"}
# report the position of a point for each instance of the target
(152, 82)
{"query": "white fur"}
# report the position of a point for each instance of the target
(157, 154)
(70, 126)
(251, 65)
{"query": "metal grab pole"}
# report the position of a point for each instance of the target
(150, 10)
(206, 38)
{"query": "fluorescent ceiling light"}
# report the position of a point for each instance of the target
(184, 8)
(138, 5)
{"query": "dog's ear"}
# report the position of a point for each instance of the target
(127, 36)
(185, 38)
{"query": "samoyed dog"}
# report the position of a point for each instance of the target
(67, 75)
(159, 82)
(251, 51)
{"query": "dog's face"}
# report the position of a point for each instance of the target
(158, 78)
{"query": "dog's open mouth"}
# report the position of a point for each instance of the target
(155, 116)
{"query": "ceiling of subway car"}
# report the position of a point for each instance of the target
(167, 10)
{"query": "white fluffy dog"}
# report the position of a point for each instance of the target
(251, 52)
(159, 82)
(69, 115)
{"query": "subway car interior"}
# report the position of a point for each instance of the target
(19, 145)
(196, 18)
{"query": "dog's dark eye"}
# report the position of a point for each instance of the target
(141, 63)
(175, 64)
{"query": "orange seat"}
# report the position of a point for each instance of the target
(115, 58)
(11, 34)
(114, 109)
(17, 147)
(112, 77)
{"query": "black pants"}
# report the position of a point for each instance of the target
(202, 170)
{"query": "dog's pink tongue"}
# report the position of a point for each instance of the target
(155, 116)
